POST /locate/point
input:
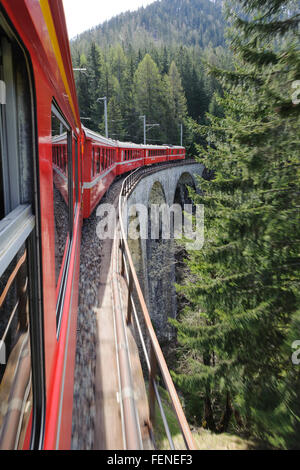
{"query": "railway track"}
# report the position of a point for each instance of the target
(117, 412)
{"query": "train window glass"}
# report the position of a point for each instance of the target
(62, 182)
(2, 213)
(21, 370)
(76, 171)
(15, 363)
(93, 162)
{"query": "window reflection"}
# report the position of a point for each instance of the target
(2, 213)
(15, 357)
(60, 165)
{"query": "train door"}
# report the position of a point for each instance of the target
(22, 383)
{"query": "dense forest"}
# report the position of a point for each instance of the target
(164, 22)
(162, 76)
(238, 359)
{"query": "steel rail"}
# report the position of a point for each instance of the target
(156, 360)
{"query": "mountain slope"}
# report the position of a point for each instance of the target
(164, 22)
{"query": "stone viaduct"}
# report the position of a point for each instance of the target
(155, 259)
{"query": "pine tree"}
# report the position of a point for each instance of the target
(83, 89)
(243, 286)
(115, 121)
(178, 96)
(95, 64)
(148, 93)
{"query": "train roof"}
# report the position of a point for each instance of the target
(99, 138)
(59, 138)
(117, 143)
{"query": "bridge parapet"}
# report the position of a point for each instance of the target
(153, 356)
(168, 176)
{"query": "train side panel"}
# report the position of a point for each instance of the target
(41, 31)
(130, 159)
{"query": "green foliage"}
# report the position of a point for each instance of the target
(243, 286)
(181, 90)
(163, 23)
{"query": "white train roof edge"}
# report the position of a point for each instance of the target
(116, 143)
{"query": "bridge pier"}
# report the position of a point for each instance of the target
(157, 263)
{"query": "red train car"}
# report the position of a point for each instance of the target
(40, 225)
(100, 168)
(176, 153)
(131, 156)
(156, 154)
(105, 159)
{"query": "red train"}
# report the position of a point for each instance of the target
(53, 173)
(105, 159)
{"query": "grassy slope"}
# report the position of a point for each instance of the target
(205, 439)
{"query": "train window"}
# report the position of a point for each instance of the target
(1, 192)
(22, 395)
(15, 368)
(98, 161)
(93, 162)
(76, 171)
(62, 196)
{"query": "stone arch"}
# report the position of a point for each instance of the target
(157, 194)
(181, 195)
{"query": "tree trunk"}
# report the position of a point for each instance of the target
(224, 423)
(208, 414)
